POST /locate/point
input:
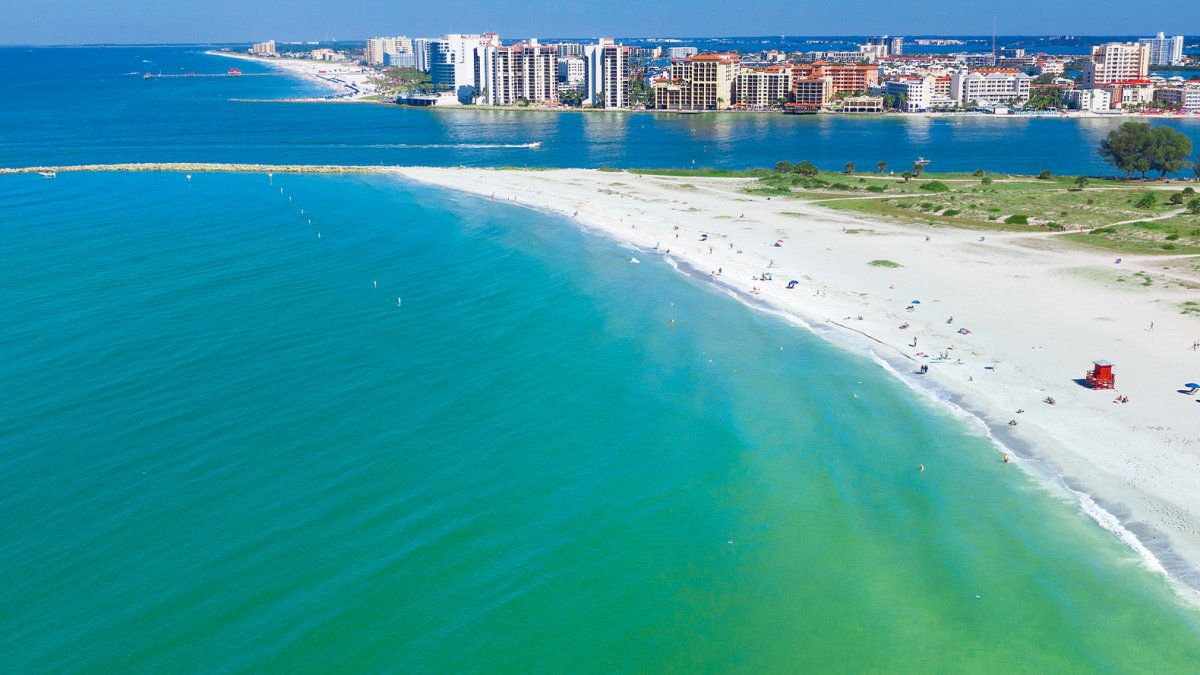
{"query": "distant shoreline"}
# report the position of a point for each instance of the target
(301, 69)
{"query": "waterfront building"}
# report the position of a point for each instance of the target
(857, 105)
(703, 82)
(266, 48)
(913, 93)
(762, 87)
(1090, 100)
(399, 60)
(942, 90)
(681, 52)
(1164, 51)
(872, 51)
(566, 49)
(441, 65)
(896, 46)
(812, 92)
(990, 87)
(852, 77)
(1187, 98)
(455, 63)
(1116, 62)
(572, 70)
(644, 52)
(607, 76)
(378, 47)
(1130, 93)
(324, 55)
(420, 47)
(524, 72)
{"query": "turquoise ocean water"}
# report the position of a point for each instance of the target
(227, 446)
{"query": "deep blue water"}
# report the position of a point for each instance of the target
(105, 111)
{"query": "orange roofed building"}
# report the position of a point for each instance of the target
(702, 82)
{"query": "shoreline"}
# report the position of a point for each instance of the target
(1084, 448)
(353, 88)
(359, 93)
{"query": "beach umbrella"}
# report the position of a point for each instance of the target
(915, 302)
(1191, 385)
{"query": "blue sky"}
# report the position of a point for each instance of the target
(132, 21)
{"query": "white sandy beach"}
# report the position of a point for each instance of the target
(347, 80)
(1038, 314)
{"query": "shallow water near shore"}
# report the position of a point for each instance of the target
(227, 444)
(429, 432)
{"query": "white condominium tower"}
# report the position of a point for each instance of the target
(607, 74)
(522, 72)
(1165, 51)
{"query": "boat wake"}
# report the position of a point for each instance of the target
(440, 146)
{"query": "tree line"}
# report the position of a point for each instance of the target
(1136, 147)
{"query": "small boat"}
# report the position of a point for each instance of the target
(922, 161)
(48, 174)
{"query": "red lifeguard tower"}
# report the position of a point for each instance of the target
(1101, 377)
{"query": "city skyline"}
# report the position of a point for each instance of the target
(141, 21)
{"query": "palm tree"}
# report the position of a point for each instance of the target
(882, 166)
(849, 167)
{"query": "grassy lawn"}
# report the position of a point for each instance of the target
(1105, 213)
(700, 173)
(1009, 203)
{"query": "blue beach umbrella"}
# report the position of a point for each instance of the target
(916, 302)
(1191, 385)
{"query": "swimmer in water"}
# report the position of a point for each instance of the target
(922, 467)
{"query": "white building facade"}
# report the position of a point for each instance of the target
(990, 87)
(607, 76)
(1091, 100)
(572, 70)
(1165, 51)
(526, 72)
